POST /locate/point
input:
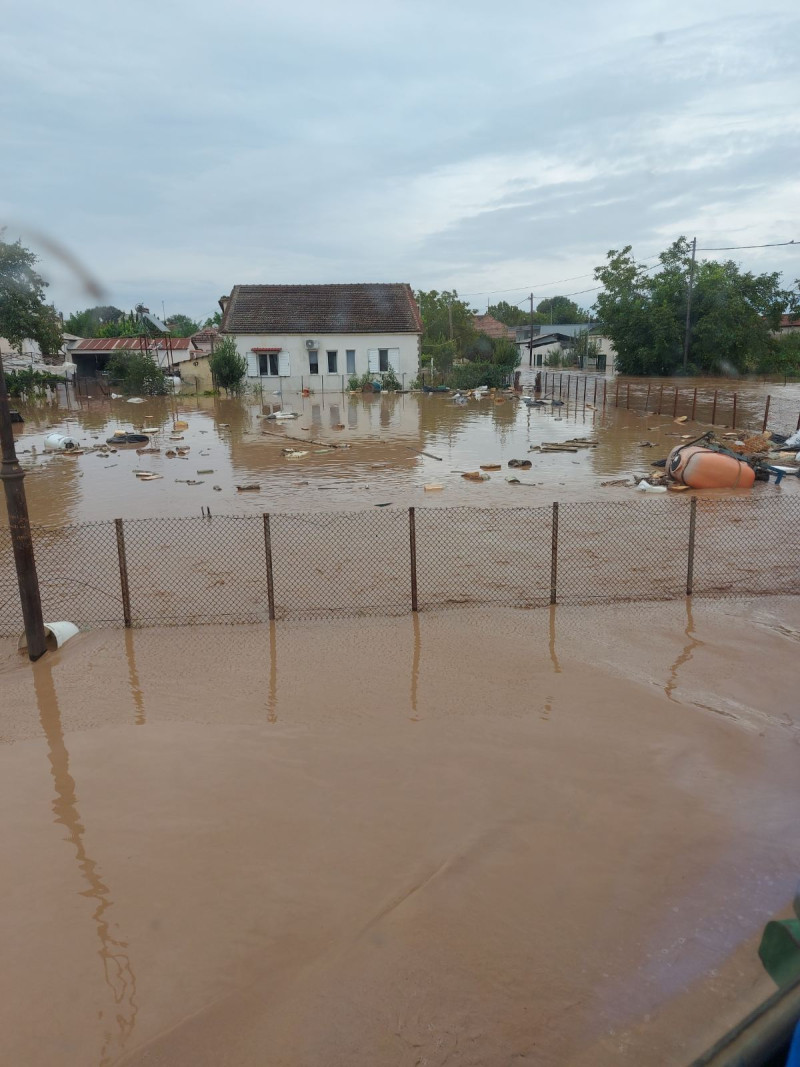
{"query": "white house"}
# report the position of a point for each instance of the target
(317, 336)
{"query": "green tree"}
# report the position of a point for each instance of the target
(24, 315)
(227, 366)
(86, 323)
(137, 373)
(182, 325)
(513, 315)
(733, 313)
(560, 309)
(213, 322)
(125, 326)
(445, 317)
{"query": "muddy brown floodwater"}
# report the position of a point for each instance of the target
(383, 464)
(549, 837)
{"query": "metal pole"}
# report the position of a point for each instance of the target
(660, 398)
(675, 405)
(766, 416)
(694, 402)
(123, 574)
(268, 551)
(594, 401)
(605, 383)
(554, 555)
(690, 561)
(530, 339)
(616, 395)
(12, 477)
(714, 409)
(689, 308)
(560, 379)
(584, 390)
(647, 398)
(733, 421)
(412, 540)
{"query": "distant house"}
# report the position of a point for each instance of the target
(91, 355)
(789, 324)
(560, 338)
(492, 327)
(311, 336)
(31, 354)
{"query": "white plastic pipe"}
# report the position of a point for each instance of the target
(56, 633)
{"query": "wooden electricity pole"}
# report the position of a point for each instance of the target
(530, 339)
(11, 474)
(689, 307)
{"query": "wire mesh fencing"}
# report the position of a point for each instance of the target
(182, 571)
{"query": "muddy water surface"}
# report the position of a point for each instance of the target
(384, 462)
(545, 836)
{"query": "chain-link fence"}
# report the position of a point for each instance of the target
(714, 406)
(145, 572)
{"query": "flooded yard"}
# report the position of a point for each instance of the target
(550, 837)
(379, 458)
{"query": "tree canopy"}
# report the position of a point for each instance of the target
(86, 323)
(182, 325)
(733, 313)
(24, 315)
(552, 310)
(445, 317)
(227, 366)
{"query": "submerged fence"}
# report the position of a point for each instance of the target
(162, 571)
(717, 407)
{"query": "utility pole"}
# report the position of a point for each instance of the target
(11, 475)
(450, 315)
(530, 339)
(689, 307)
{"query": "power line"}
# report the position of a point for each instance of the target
(577, 277)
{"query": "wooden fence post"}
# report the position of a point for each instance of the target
(605, 383)
(554, 555)
(733, 421)
(647, 399)
(123, 574)
(595, 392)
(660, 398)
(694, 402)
(675, 404)
(412, 539)
(268, 550)
(766, 416)
(616, 395)
(714, 409)
(690, 561)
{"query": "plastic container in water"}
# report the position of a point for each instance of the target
(56, 633)
(57, 441)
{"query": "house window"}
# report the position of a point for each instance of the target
(351, 361)
(332, 360)
(383, 359)
(268, 363)
(313, 361)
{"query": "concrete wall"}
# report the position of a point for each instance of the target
(294, 364)
(196, 374)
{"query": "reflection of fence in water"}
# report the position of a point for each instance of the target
(248, 568)
(715, 406)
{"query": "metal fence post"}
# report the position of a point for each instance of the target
(123, 574)
(690, 561)
(412, 539)
(554, 555)
(766, 416)
(733, 420)
(714, 409)
(694, 403)
(268, 551)
(675, 404)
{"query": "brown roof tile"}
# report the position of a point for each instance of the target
(363, 308)
(489, 325)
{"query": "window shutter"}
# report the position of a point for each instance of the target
(283, 364)
(372, 360)
(394, 359)
(252, 365)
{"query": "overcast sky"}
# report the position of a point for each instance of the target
(178, 148)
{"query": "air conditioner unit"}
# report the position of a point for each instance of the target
(311, 344)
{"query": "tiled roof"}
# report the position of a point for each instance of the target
(492, 327)
(121, 344)
(203, 336)
(309, 309)
(789, 320)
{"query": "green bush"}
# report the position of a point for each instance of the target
(353, 383)
(137, 374)
(227, 366)
(26, 384)
(471, 375)
(390, 382)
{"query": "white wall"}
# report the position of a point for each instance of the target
(294, 359)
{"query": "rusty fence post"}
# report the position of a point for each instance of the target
(605, 383)
(412, 540)
(268, 553)
(595, 391)
(733, 419)
(714, 409)
(694, 402)
(690, 560)
(675, 404)
(766, 416)
(554, 555)
(660, 398)
(123, 574)
(584, 390)
(647, 399)
(616, 395)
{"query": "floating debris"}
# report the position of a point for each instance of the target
(432, 487)
(681, 418)
(253, 487)
(476, 476)
(217, 488)
(131, 400)
(491, 466)
(523, 464)
(294, 453)
(180, 424)
(206, 472)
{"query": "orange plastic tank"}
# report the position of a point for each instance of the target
(701, 468)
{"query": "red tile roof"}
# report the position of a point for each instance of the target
(789, 320)
(489, 325)
(309, 309)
